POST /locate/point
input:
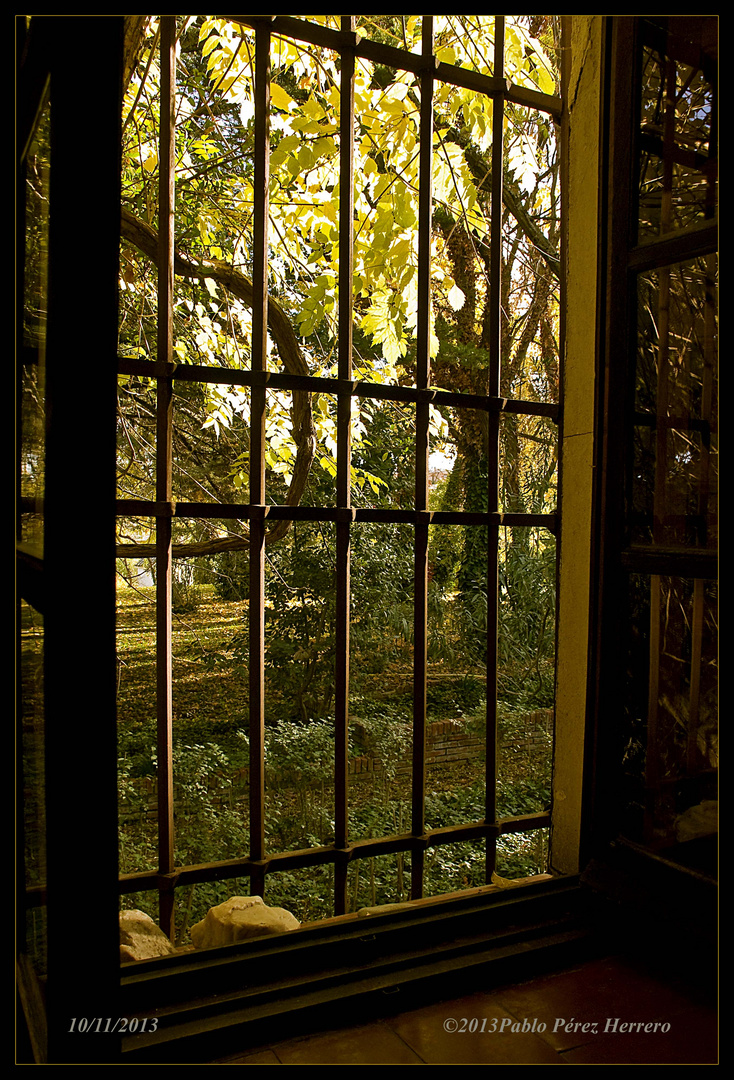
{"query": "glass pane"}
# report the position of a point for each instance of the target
(527, 604)
(136, 711)
(383, 455)
(210, 714)
(452, 867)
(675, 463)
(32, 418)
(136, 455)
(525, 768)
(211, 445)
(531, 241)
(380, 879)
(669, 742)
(387, 149)
(299, 693)
(528, 464)
(307, 894)
(523, 854)
(381, 670)
(33, 743)
(678, 168)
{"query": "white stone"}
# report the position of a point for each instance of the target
(240, 918)
(697, 821)
(140, 938)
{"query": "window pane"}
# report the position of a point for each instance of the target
(212, 325)
(669, 746)
(529, 464)
(675, 464)
(33, 744)
(527, 604)
(32, 420)
(677, 127)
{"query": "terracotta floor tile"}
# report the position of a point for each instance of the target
(689, 1042)
(575, 1005)
(368, 1044)
(442, 1035)
(537, 1022)
(261, 1057)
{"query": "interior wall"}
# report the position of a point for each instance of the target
(581, 192)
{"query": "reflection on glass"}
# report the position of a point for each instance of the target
(33, 743)
(669, 744)
(33, 352)
(677, 128)
(675, 462)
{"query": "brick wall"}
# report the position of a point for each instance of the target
(449, 741)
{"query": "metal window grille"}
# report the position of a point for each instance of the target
(259, 862)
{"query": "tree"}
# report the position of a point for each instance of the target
(214, 243)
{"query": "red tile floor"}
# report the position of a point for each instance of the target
(608, 1011)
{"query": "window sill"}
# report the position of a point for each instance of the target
(248, 993)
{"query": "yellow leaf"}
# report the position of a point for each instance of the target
(280, 98)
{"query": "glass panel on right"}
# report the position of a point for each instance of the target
(678, 151)
(668, 739)
(675, 456)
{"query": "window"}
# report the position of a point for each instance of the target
(658, 492)
(311, 426)
(390, 286)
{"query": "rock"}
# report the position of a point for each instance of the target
(697, 821)
(140, 938)
(240, 918)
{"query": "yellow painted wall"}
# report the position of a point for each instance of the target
(581, 198)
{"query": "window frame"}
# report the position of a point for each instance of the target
(92, 984)
(166, 877)
(615, 558)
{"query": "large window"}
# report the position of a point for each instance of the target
(331, 340)
(338, 398)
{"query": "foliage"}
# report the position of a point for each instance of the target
(214, 200)
(211, 438)
(211, 757)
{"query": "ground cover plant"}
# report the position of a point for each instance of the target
(212, 326)
(211, 758)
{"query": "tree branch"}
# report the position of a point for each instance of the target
(145, 239)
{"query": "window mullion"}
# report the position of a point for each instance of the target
(164, 470)
(423, 376)
(257, 459)
(495, 367)
(344, 466)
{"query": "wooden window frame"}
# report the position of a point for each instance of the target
(446, 942)
(615, 554)
(258, 863)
